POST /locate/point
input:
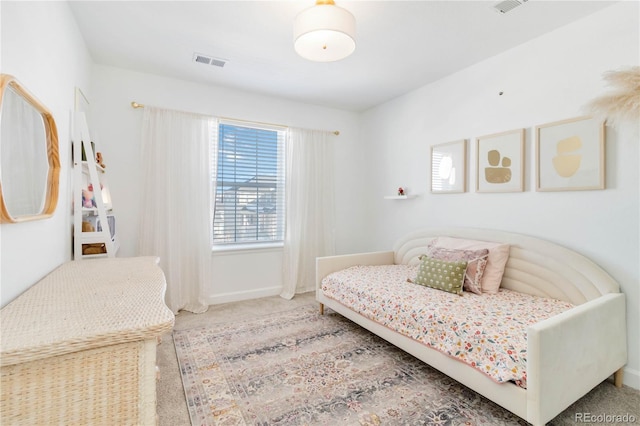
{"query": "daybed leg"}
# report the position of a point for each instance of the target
(617, 378)
(322, 309)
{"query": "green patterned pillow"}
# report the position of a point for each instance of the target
(441, 274)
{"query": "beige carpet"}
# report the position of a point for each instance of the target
(172, 410)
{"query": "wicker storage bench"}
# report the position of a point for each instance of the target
(79, 347)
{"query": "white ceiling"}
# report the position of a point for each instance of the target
(400, 46)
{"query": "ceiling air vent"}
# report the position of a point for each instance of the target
(508, 5)
(208, 60)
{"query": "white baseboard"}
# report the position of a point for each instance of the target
(236, 296)
(631, 378)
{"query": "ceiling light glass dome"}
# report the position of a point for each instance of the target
(324, 32)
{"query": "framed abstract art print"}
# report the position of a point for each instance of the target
(449, 167)
(500, 162)
(570, 155)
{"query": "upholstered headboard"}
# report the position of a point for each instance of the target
(535, 266)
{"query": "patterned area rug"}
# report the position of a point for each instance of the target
(301, 368)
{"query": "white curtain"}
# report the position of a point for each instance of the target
(309, 208)
(175, 219)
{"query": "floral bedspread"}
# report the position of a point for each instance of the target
(485, 331)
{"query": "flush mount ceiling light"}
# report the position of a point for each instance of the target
(324, 32)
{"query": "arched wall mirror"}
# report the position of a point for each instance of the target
(29, 158)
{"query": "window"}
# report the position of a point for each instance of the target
(249, 187)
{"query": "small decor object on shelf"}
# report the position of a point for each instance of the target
(92, 248)
(99, 160)
(88, 200)
(401, 194)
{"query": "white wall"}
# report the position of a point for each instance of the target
(42, 47)
(237, 275)
(545, 80)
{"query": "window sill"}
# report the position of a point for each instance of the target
(223, 249)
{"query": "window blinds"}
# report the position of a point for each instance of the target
(249, 187)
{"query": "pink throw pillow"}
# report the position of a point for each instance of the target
(496, 262)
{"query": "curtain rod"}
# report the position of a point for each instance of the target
(136, 105)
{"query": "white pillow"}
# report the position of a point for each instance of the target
(498, 256)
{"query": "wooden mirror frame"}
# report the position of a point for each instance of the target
(53, 156)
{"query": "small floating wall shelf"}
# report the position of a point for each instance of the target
(399, 197)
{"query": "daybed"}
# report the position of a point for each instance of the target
(567, 354)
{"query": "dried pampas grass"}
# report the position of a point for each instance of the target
(623, 104)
